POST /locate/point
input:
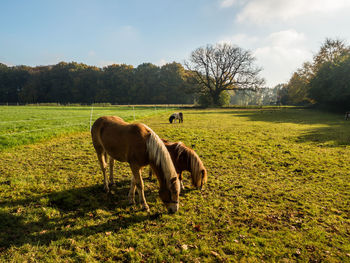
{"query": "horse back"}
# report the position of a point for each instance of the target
(122, 141)
(178, 157)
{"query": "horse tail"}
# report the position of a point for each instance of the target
(181, 117)
(159, 155)
(96, 132)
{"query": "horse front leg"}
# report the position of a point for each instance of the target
(136, 170)
(181, 183)
(132, 191)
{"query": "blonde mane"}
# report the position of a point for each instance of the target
(159, 154)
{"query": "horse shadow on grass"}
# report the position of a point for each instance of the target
(53, 216)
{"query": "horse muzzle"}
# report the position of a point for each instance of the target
(173, 208)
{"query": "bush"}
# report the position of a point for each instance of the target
(205, 100)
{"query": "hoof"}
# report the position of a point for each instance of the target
(146, 208)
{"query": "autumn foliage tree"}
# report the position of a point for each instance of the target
(325, 81)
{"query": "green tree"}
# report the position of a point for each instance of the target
(223, 67)
(146, 85)
(173, 86)
(119, 79)
(331, 86)
(299, 84)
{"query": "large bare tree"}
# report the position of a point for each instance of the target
(223, 67)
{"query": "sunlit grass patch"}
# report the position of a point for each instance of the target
(28, 124)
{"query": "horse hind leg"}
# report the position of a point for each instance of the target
(103, 164)
(131, 195)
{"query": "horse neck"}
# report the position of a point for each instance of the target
(192, 161)
(160, 174)
(183, 156)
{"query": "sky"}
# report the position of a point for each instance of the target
(281, 34)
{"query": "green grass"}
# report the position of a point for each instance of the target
(28, 124)
(278, 191)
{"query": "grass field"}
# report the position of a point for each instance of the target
(28, 124)
(278, 191)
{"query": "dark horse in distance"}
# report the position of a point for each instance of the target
(176, 116)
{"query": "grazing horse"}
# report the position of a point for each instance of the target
(138, 145)
(347, 115)
(186, 159)
(176, 116)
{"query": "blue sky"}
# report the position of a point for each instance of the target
(282, 34)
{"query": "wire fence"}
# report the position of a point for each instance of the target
(25, 126)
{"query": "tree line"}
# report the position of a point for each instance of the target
(323, 82)
(210, 72)
(79, 83)
(214, 75)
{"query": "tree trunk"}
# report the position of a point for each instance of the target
(216, 98)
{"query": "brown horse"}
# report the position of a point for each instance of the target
(186, 159)
(138, 145)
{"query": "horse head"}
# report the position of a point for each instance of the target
(199, 177)
(171, 118)
(169, 193)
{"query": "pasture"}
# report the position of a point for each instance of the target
(278, 191)
(28, 124)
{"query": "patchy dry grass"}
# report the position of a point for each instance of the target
(278, 190)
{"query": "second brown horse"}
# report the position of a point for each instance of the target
(186, 159)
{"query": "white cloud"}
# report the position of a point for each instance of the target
(241, 40)
(286, 38)
(161, 62)
(227, 3)
(281, 54)
(260, 11)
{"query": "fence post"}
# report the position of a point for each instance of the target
(92, 109)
